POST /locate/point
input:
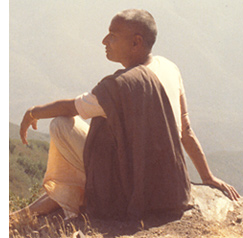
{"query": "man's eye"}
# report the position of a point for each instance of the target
(111, 36)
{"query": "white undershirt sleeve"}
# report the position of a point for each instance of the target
(88, 106)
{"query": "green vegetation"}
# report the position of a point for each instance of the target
(27, 166)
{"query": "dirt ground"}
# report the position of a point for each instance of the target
(190, 225)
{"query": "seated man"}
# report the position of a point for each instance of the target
(129, 162)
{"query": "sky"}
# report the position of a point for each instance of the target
(55, 52)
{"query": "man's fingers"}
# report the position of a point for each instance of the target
(25, 124)
(23, 130)
(231, 192)
(23, 136)
(235, 194)
(24, 141)
(228, 191)
(34, 124)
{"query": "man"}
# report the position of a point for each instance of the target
(133, 161)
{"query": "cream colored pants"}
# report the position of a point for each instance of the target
(64, 180)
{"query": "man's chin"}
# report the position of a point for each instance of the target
(109, 57)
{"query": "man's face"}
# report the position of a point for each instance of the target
(119, 42)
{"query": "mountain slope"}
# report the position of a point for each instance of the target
(32, 135)
(27, 163)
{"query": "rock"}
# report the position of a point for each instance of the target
(78, 234)
(238, 220)
(213, 204)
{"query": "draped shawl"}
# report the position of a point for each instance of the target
(133, 159)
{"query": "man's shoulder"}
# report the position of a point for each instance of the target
(110, 81)
(133, 75)
(115, 75)
(164, 61)
(124, 74)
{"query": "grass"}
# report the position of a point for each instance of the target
(50, 227)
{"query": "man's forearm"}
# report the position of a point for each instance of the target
(195, 152)
(64, 107)
(192, 145)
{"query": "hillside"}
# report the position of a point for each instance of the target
(27, 165)
(32, 135)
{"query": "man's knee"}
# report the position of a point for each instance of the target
(60, 124)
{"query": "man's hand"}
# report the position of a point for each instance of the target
(64, 107)
(226, 188)
(27, 121)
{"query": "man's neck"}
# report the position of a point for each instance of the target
(139, 61)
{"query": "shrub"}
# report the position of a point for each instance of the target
(17, 202)
(11, 146)
(27, 166)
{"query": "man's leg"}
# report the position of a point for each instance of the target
(68, 135)
(65, 176)
(42, 206)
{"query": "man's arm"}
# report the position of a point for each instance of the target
(196, 154)
(64, 107)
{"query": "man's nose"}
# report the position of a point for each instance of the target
(104, 41)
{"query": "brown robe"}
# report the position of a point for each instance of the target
(133, 159)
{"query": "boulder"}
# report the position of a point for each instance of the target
(213, 204)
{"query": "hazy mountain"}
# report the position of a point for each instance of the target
(226, 165)
(56, 52)
(32, 135)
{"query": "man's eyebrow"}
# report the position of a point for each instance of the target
(113, 30)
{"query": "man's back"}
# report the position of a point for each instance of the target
(169, 75)
(141, 168)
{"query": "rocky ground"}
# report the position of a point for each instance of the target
(212, 214)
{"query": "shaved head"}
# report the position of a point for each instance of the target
(140, 22)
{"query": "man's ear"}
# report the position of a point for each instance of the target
(137, 42)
